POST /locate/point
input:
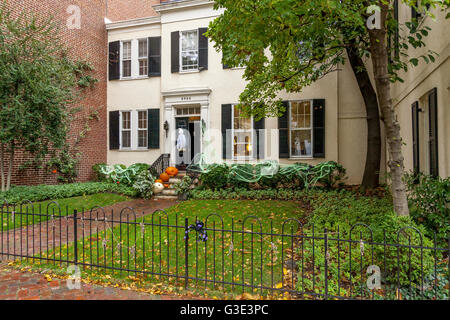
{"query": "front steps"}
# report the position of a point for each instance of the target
(170, 193)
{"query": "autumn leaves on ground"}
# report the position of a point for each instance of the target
(240, 253)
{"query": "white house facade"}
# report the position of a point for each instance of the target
(165, 75)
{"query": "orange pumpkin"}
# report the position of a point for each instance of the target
(159, 180)
(172, 171)
(166, 186)
(164, 177)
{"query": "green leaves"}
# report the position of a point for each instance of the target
(39, 85)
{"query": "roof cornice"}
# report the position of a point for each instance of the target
(133, 23)
(180, 4)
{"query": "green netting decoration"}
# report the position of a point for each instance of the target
(121, 174)
(309, 175)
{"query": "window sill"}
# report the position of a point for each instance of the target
(133, 150)
(302, 158)
(135, 78)
(189, 71)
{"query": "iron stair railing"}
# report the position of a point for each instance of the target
(160, 165)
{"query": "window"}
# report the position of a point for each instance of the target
(142, 129)
(189, 50)
(301, 128)
(126, 129)
(126, 59)
(193, 110)
(242, 131)
(143, 57)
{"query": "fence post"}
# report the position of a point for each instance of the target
(326, 262)
(75, 236)
(186, 252)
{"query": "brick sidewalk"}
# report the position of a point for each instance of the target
(20, 285)
(32, 239)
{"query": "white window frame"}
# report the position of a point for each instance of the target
(181, 52)
(138, 129)
(233, 130)
(139, 58)
(122, 130)
(291, 155)
(122, 59)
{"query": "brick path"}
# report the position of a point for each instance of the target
(18, 285)
(61, 230)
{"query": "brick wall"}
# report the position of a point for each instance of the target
(118, 10)
(88, 43)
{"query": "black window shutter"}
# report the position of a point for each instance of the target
(433, 133)
(226, 125)
(175, 51)
(415, 136)
(154, 57)
(153, 128)
(202, 49)
(114, 60)
(114, 130)
(258, 148)
(319, 128)
(283, 133)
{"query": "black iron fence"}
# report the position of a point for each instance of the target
(247, 255)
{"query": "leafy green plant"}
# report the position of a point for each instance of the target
(216, 178)
(144, 184)
(18, 194)
(429, 199)
(99, 176)
(184, 186)
(343, 210)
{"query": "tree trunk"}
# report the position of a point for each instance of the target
(10, 166)
(2, 166)
(371, 177)
(379, 56)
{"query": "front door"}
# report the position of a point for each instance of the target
(183, 158)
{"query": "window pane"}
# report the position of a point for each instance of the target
(301, 143)
(189, 50)
(126, 47)
(142, 138)
(142, 119)
(143, 48)
(143, 67)
(126, 120)
(126, 71)
(126, 139)
(301, 114)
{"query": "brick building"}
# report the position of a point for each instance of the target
(87, 43)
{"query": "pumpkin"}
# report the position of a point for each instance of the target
(164, 177)
(166, 186)
(172, 171)
(158, 187)
(159, 180)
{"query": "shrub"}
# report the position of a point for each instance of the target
(429, 200)
(216, 177)
(143, 184)
(18, 194)
(99, 175)
(184, 186)
(343, 209)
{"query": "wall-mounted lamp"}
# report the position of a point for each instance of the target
(166, 127)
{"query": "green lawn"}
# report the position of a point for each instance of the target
(248, 259)
(45, 209)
